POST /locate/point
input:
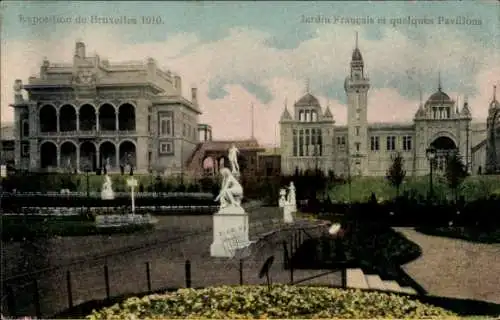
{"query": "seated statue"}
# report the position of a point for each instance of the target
(231, 192)
(107, 192)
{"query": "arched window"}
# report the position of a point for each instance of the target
(314, 116)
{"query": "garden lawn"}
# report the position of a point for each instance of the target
(282, 301)
(474, 187)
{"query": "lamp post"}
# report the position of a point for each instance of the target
(431, 156)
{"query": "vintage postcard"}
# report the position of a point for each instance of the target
(269, 155)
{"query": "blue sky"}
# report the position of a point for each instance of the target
(239, 53)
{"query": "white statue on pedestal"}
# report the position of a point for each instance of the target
(231, 193)
(233, 159)
(231, 215)
(107, 192)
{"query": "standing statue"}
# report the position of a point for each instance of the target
(233, 159)
(292, 200)
(106, 164)
(231, 192)
(282, 199)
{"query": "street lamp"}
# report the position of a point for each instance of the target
(431, 156)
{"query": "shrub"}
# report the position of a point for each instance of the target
(253, 302)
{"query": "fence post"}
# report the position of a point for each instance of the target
(106, 281)
(343, 276)
(148, 276)
(241, 272)
(290, 265)
(187, 269)
(285, 255)
(297, 241)
(69, 288)
(36, 299)
(11, 302)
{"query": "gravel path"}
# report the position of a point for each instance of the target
(455, 268)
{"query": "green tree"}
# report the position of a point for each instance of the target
(455, 173)
(396, 173)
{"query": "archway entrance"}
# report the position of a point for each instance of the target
(68, 155)
(48, 155)
(444, 146)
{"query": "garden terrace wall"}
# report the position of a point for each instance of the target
(12, 201)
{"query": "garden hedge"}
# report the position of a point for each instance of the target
(281, 301)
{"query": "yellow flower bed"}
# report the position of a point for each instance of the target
(282, 301)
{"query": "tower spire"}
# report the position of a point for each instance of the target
(494, 93)
(439, 81)
(356, 40)
(308, 86)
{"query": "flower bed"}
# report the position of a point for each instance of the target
(256, 302)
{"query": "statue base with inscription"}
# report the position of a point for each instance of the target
(230, 229)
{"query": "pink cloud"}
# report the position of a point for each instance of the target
(243, 55)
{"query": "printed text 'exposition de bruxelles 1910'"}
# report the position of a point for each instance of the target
(394, 21)
(93, 19)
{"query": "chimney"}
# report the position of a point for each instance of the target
(80, 49)
(194, 95)
(178, 85)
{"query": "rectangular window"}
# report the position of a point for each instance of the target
(149, 123)
(301, 143)
(407, 145)
(391, 143)
(25, 129)
(25, 152)
(358, 146)
(295, 142)
(166, 126)
(184, 130)
(357, 131)
(166, 147)
(375, 143)
(341, 141)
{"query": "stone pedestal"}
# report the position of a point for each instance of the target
(229, 223)
(107, 194)
(287, 213)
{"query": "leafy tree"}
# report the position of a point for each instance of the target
(455, 172)
(396, 173)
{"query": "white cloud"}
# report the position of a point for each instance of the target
(243, 55)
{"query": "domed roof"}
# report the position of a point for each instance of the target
(439, 97)
(356, 55)
(308, 100)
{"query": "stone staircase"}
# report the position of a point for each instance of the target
(358, 280)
